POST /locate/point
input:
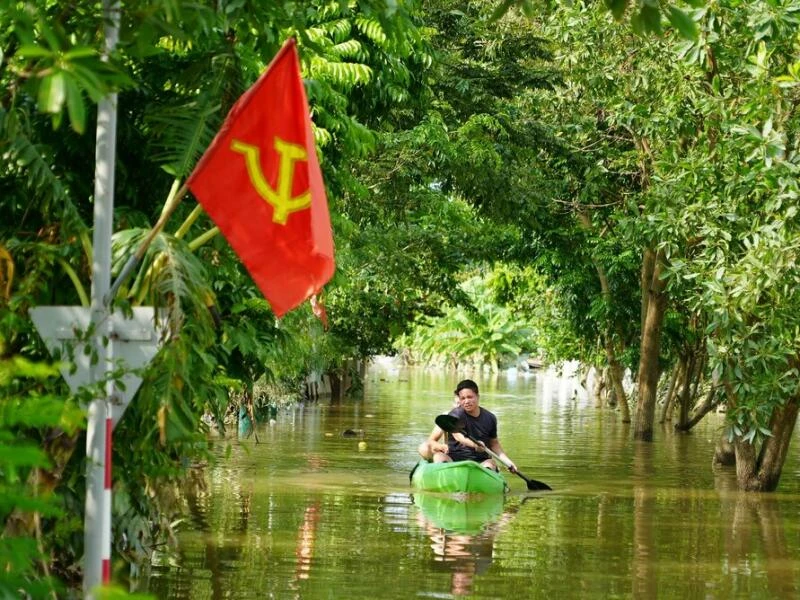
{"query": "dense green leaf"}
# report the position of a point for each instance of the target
(683, 23)
(617, 7)
(52, 92)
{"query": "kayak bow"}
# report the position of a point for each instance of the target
(465, 476)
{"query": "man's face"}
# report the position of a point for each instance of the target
(468, 400)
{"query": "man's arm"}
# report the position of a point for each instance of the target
(433, 440)
(465, 441)
(432, 445)
(494, 446)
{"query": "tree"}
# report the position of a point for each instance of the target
(711, 151)
(733, 181)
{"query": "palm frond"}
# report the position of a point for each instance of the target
(372, 29)
(27, 162)
(170, 276)
(343, 74)
(182, 133)
(183, 127)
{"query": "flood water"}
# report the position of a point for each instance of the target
(307, 514)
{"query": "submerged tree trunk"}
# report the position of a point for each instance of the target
(599, 387)
(653, 318)
(673, 384)
(615, 376)
(686, 397)
(761, 472)
(724, 452)
(341, 380)
(710, 403)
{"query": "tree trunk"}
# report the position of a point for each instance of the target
(645, 281)
(710, 403)
(746, 467)
(686, 398)
(724, 453)
(655, 308)
(762, 472)
(615, 369)
(700, 364)
(673, 382)
(598, 389)
(615, 376)
(336, 385)
(341, 381)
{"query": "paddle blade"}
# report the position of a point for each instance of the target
(450, 424)
(537, 486)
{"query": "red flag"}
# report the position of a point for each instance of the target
(261, 184)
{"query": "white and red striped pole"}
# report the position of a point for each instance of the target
(97, 515)
(106, 550)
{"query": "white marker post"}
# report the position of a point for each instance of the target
(126, 342)
(132, 343)
(97, 518)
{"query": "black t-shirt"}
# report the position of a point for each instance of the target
(482, 428)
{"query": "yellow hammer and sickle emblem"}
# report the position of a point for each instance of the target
(281, 199)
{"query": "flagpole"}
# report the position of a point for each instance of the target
(97, 512)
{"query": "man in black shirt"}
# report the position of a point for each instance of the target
(479, 424)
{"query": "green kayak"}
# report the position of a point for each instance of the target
(468, 514)
(466, 477)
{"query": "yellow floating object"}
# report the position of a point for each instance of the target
(362, 446)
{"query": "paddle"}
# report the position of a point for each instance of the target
(452, 424)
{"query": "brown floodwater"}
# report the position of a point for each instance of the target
(307, 513)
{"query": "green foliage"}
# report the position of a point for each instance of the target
(59, 67)
(178, 68)
(26, 413)
(696, 156)
(562, 327)
(739, 219)
(559, 143)
(481, 333)
(646, 16)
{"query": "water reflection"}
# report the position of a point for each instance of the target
(306, 538)
(467, 515)
(217, 557)
(755, 540)
(644, 547)
(462, 533)
(321, 518)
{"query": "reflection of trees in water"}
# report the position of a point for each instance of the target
(216, 554)
(755, 518)
(751, 529)
(644, 547)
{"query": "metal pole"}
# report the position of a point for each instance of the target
(97, 522)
